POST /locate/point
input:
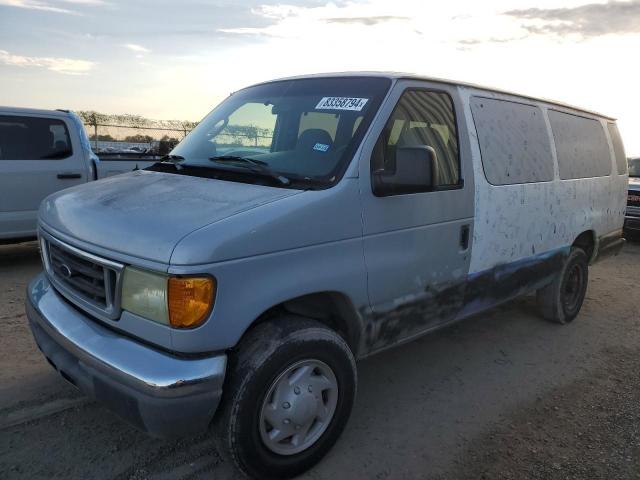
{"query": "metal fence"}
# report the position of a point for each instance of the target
(113, 133)
(110, 138)
(234, 140)
(133, 134)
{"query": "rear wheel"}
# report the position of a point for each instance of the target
(562, 299)
(290, 392)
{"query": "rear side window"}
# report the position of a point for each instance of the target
(514, 141)
(581, 146)
(422, 118)
(618, 148)
(33, 138)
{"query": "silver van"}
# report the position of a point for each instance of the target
(307, 223)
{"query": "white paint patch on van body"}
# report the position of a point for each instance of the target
(513, 222)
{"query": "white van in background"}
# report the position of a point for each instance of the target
(41, 152)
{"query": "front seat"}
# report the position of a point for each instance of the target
(314, 140)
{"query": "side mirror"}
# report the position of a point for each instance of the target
(413, 171)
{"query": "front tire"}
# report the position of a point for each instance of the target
(290, 392)
(561, 300)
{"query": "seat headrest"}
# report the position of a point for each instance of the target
(314, 139)
(415, 136)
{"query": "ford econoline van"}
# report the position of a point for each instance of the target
(307, 223)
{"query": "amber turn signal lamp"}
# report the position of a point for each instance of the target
(190, 300)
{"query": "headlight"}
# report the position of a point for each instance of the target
(180, 302)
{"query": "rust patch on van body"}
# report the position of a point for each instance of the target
(444, 304)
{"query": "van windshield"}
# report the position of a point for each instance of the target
(305, 130)
(634, 167)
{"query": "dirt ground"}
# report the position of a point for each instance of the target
(502, 395)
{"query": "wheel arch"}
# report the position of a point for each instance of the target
(587, 241)
(333, 309)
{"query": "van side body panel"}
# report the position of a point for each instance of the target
(524, 231)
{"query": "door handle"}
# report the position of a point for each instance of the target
(69, 176)
(464, 237)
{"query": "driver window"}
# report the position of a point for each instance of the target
(252, 125)
(422, 118)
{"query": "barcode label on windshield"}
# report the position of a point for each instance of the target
(342, 103)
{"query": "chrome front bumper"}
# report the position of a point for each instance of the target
(632, 224)
(160, 393)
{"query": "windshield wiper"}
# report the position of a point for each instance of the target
(253, 165)
(171, 158)
(174, 159)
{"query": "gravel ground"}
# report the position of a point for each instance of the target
(502, 395)
(589, 429)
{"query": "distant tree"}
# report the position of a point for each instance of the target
(102, 138)
(167, 144)
(139, 138)
(246, 134)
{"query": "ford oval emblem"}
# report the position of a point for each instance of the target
(65, 271)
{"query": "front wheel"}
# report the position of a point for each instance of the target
(291, 388)
(561, 300)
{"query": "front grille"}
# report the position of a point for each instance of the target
(91, 282)
(633, 199)
(87, 278)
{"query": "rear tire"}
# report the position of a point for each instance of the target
(561, 300)
(288, 376)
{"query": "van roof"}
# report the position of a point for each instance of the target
(414, 76)
(33, 111)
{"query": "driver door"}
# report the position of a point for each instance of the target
(417, 243)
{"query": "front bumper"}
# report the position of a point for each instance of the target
(162, 394)
(632, 224)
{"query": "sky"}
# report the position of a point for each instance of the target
(176, 60)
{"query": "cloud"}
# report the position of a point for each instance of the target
(51, 6)
(36, 5)
(591, 20)
(367, 21)
(86, 2)
(292, 21)
(469, 42)
(134, 47)
(67, 66)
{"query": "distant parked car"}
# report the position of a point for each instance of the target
(41, 152)
(138, 149)
(632, 218)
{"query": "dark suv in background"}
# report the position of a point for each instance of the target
(632, 217)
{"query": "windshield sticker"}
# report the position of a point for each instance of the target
(321, 147)
(342, 103)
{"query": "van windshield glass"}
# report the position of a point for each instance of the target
(634, 167)
(305, 130)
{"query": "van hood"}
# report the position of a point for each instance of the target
(145, 214)
(634, 183)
